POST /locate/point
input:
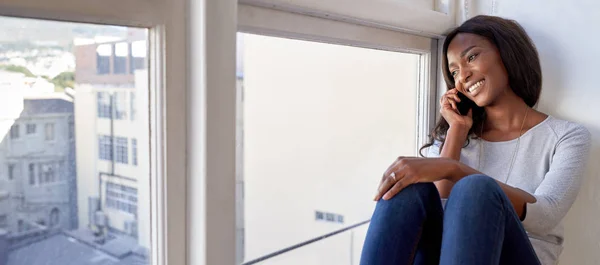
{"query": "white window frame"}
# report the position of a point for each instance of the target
(192, 123)
(168, 111)
(297, 24)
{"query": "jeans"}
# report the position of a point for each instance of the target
(478, 226)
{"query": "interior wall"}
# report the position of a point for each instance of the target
(562, 32)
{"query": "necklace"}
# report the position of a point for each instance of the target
(514, 156)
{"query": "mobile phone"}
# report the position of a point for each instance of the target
(465, 104)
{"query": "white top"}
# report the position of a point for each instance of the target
(549, 164)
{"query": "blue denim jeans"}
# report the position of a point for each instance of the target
(478, 226)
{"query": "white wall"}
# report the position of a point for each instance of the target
(567, 40)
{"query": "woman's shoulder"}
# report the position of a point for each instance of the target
(564, 129)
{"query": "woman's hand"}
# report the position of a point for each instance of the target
(410, 170)
(450, 112)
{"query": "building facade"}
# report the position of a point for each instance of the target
(37, 155)
(113, 152)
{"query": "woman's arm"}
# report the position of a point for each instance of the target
(518, 197)
(455, 139)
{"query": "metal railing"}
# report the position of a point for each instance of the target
(302, 244)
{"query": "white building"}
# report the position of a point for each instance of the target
(112, 133)
(37, 156)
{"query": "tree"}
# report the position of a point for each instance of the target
(17, 69)
(64, 80)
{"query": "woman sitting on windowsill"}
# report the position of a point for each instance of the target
(509, 172)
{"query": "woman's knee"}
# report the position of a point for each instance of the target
(411, 201)
(414, 193)
(476, 186)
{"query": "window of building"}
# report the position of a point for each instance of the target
(11, 171)
(14, 131)
(121, 197)
(103, 55)
(49, 131)
(121, 150)
(47, 172)
(132, 103)
(3, 220)
(138, 56)
(134, 151)
(31, 168)
(105, 151)
(104, 103)
(71, 130)
(330, 217)
(121, 106)
(120, 59)
(54, 217)
(319, 215)
(30, 128)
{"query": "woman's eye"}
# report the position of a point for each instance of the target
(472, 57)
(454, 73)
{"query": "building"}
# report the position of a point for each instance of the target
(112, 130)
(37, 151)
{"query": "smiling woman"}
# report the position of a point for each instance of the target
(505, 201)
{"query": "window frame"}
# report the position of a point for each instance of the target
(32, 126)
(15, 131)
(121, 146)
(50, 130)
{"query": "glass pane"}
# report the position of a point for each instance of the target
(70, 181)
(317, 126)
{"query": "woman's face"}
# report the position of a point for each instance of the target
(477, 68)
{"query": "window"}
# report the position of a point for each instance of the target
(3, 221)
(14, 131)
(121, 197)
(104, 105)
(318, 90)
(120, 59)
(121, 150)
(120, 105)
(138, 56)
(71, 130)
(319, 215)
(54, 217)
(134, 157)
(329, 217)
(47, 173)
(132, 102)
(11, 171)
(49, 131)
(31, 174)
(103, 55)
(30, 128)
(105, 151)
(60, 175)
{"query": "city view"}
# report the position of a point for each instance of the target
(74, 158)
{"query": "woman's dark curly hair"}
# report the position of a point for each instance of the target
(520, 58)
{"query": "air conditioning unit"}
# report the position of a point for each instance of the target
(131, 228)
(100, 219)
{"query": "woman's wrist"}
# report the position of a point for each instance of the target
(458, 170)
(459, 130)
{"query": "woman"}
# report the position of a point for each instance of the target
(509, 172)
